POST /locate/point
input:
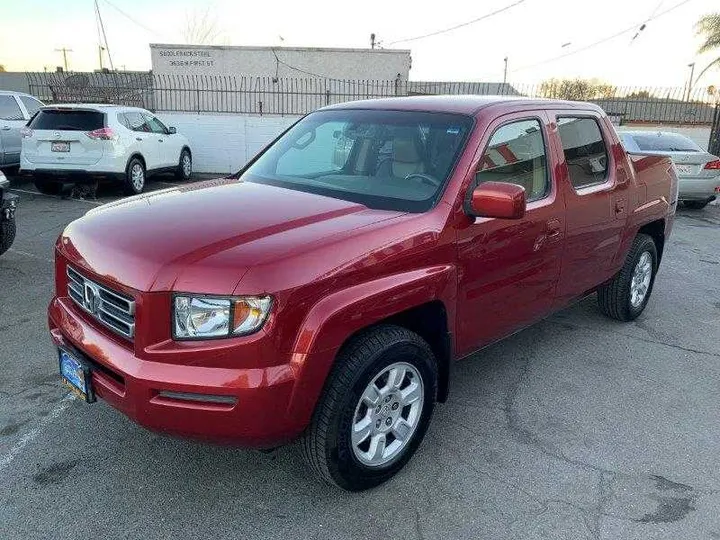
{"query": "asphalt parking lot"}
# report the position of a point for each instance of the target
(579, 427)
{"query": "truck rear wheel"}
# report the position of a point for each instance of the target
(624, 298)
(375, 409)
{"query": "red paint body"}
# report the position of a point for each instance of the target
(333, 268)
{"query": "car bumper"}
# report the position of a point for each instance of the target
(246, 407)
(698, 188)
(73, 175)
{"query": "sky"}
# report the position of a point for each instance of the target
(531, 34)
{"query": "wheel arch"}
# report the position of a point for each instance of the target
(656, 231)
(136, 155)
(421, 300)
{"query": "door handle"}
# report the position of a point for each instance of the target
(619, 206)
(553, 229)
(138, 138)
(160, 140)
(6, 128)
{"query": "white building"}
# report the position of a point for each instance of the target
(299, 62)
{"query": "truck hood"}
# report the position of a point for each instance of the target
(194, 238)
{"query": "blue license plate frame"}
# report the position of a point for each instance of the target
(76, 374)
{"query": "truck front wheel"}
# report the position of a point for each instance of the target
(375, 409)
(624, 297)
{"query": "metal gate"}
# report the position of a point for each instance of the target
(714, 146)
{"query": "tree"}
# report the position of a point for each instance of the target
(639, 94)
(201, 28)
(2, 68)
(709, 28)
(576, 89)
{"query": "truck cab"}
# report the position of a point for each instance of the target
(323, 292)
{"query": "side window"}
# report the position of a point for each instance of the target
(136, 122)
(156, 126)
(585, 152)
(516, 155)
(123, 120)
(9, 109)
(321, 150)
(31, 104)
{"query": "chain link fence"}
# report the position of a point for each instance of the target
(298, 96)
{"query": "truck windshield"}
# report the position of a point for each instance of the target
(389, 160)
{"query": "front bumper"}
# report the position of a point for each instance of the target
(255, 410)
(698, 189)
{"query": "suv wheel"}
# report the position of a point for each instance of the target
(375, 409)
(624, 298)
(184, 169)
(135, 177)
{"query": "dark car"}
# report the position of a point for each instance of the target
(8, 203)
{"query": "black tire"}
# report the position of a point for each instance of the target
(130, 187)
(696, 205)
(7, 234)
(47, 187)
(181, 173)
(614, 298)
(326, 444)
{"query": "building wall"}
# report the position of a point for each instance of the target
(384, 64)
(222, 143)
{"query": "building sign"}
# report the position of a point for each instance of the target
(188, 58)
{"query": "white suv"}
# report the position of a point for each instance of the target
(126, 144)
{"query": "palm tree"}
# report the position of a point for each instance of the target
(709, 28)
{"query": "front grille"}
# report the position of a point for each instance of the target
(114, 310)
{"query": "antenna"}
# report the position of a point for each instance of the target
(64, 51)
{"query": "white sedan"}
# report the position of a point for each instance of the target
(124, 144)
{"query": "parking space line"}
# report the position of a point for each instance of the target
(26, 254)
(167, 183)
(96, 203)
(31, 435)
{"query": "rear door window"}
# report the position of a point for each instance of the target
(137, 122)
(9, 109)
(68, 120)
(585, 151)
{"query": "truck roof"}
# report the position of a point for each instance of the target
(465, 104)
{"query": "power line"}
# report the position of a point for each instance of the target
(600, 42)
(643, 25)
(300, 70)
(438, 32)
(131, 19)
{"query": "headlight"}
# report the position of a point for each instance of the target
(202, 317)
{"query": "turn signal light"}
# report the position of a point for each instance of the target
(102, 134)
(713, 164)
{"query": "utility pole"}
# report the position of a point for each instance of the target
(100, 54)
(64, 51)
(372, 40)
(690, 81)
(505, 72)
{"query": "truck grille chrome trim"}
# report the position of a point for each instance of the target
(114, 310)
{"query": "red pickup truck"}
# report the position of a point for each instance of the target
(325, 290)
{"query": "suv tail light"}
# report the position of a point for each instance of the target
(26, 132)
(102, 134)
(715, 165)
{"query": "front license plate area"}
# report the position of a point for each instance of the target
(76, 375)
(60, 146)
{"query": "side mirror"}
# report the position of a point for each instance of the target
(496, 200)
(172, 130)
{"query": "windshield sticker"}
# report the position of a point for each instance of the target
(453, 130)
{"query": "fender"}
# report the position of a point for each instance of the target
(335, 318)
